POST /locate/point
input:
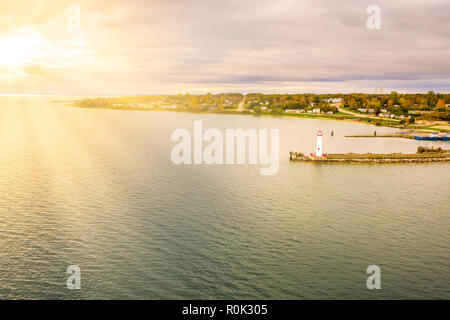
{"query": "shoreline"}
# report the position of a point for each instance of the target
(334, 117)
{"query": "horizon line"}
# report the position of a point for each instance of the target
(202, 93)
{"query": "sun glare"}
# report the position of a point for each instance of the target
(18, 50)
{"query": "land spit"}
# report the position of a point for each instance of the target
(426, 157)
(404, 136)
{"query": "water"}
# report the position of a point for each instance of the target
(97, 189)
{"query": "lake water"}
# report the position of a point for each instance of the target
(97, 189)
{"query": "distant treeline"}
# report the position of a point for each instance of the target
(432, 106)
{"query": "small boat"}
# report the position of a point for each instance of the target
(426, 137)
(433, 137)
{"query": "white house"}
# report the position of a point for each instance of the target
(334, 100)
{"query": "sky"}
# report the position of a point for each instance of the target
(176, 46)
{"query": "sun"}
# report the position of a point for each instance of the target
(19, 49)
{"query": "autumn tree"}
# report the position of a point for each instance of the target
(209, 98)
(440, 104)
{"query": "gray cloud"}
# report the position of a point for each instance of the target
(286, 45)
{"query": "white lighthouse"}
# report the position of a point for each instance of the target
(319, 151)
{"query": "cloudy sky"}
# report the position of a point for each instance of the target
(196, 46)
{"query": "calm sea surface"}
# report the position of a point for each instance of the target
(97, 189)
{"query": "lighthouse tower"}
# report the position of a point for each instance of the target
(319, 144)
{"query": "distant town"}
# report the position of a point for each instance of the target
(426, 111)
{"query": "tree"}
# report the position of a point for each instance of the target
(208, 98)
(277, 111)
(394, 96)
(352, 104)
(377, 110)
(302, 100)
(440, 104)
(195, 105)
(432, 98)
(187, 98)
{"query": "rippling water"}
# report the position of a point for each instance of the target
(97, 188)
